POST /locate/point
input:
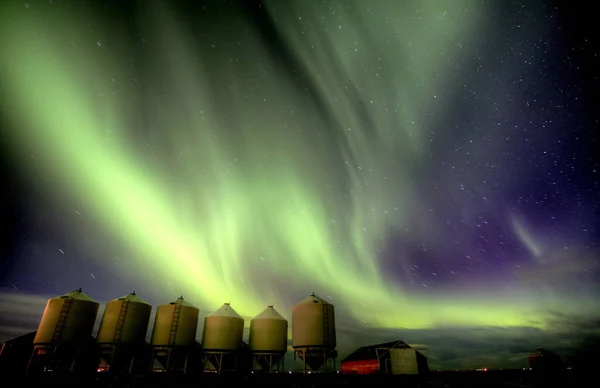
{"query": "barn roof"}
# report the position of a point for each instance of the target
(25, 339)
(541, 352)
(370, 352)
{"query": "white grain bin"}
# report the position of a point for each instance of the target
(125, 321)
(313, 324)
(268, 332)
(67, 318)
(223, 330)
(313, 331)
(175, 324)
(268, 340)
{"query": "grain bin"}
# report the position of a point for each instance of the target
(173, 340)
(222, 340)
(313, 332)
(223, 330)
(122, 335)
(268, 340)
(63, 342)
(175, 324)
(67, 318)
(125, 321)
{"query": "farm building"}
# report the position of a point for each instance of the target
(394, 358)
(543, 360)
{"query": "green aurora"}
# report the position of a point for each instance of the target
(228, 193)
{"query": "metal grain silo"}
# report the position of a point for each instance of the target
(122, 334)
(174, 334)
(268, 340)
(67, 318)
(222, 338)
(63, 341)
(313, 332)
(223, 330)
(125, 321)
(175, 324)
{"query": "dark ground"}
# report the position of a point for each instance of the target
(433, 380)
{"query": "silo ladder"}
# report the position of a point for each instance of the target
(61, 320)
(325, 324)
(174, 324)
(120, 321)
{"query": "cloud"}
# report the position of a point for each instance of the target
(20, 314)
(579, 334)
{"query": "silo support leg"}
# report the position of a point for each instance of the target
(304, 361)
(72, 367)
(111, 361)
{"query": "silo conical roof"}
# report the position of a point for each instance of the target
(132, 298)
(182, 302)
(270, 313)
(225, 311)
(314, 299)
(77, 295)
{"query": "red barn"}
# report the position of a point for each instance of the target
(388, 358)
(543, 360)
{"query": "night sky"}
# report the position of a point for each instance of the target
(430, 167)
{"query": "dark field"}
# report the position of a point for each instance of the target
(434, 380)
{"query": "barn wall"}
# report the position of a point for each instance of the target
(361, 367)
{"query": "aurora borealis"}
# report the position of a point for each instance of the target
(425, 165)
